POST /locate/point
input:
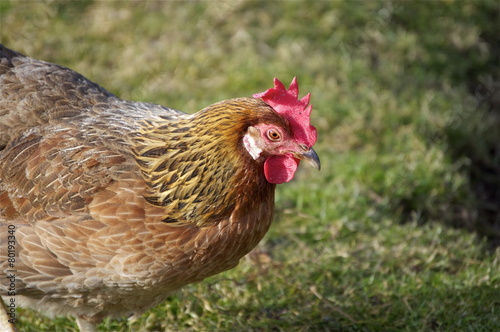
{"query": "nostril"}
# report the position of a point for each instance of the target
(304, 147)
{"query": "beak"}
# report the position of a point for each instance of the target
(311, 157)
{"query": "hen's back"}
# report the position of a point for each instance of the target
(35, 93)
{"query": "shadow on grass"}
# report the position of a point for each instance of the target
(475, 135)
(476, 138)
(472, 135)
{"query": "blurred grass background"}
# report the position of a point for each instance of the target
(400, 230)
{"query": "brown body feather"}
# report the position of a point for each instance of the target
(115, 203)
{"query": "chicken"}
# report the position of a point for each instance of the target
(108, 206)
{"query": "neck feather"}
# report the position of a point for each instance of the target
(196, 167)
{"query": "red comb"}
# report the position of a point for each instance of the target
(296, 111)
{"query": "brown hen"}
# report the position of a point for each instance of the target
(107, 205)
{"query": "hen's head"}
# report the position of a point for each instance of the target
(283, 148)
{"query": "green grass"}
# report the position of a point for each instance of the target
(400, 229)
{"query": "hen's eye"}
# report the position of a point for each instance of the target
(273, 135)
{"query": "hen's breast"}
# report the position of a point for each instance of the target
(120, 257)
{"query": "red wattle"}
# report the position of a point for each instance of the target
(280, 169)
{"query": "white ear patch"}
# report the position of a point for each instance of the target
(251, 144)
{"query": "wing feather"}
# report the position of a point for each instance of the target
(52, 174)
